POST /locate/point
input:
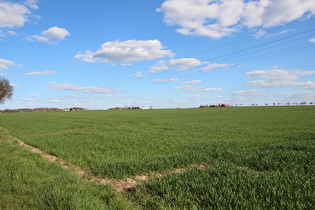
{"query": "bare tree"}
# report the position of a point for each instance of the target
(6, 90)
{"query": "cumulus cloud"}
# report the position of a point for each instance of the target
(178, 64)
(221, 18)
(137, 74)
(86, 89)
(166, 80)
(183, 63)
(126, 52)
(280, 78)
(249, 93)
(4, 64)
(51, 35)
(312, 40)
(39, 73)
(13, 15)
(159, 66)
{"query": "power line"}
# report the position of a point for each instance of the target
(190, 41)
(237, 54)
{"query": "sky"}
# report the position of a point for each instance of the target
(98, 54)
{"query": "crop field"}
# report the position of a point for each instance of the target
(258, 157)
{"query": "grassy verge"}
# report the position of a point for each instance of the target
(27, 181)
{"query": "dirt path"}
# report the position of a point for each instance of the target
(117, 184)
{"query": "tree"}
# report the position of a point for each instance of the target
(6, 90)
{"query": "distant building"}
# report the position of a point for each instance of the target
(225, 105)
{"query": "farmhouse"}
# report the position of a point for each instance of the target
(225, 105)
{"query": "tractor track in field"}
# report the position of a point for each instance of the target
(119, 185)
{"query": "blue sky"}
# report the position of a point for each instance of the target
(165, 54)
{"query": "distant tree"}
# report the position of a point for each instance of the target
(266, 104)
(288, 104)
(311, 102)
(6, 90)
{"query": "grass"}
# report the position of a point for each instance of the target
(280, 176)
(263, 156)
(27, 181)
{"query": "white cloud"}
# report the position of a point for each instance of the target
(213, 66)
(55, 101)
(183, 63)
(13, 15)
(249, 93)
(7, 33)
(193, 89)
(166, 80)
(221, 18)
(191, 82)
(279, 33)
(51, 35)
(32, 4)
(35, 96)
(260, 33)
(73, 96)
(5, 63)
(196, 98)
(17, 86)
(312, 40)
(86, 89)
(126, 52)
(39, 73)
(159, 66)
(137, 74)
(298, 97)
(280, 78)
(178, 64)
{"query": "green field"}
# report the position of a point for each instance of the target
(261, 157)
